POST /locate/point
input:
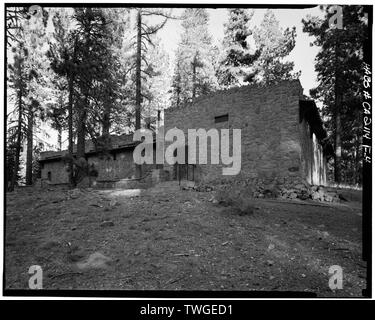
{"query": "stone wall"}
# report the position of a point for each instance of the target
(109, 168)
(313, 161)
(113, 167)
(269, 120)
(57, 170)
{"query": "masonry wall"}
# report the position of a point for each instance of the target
(58, 172)
(110, 169)
(313, 161)
(319, 164)
(268, 118)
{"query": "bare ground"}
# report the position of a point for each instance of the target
(170, 239)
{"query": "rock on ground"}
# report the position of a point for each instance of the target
(95, 260)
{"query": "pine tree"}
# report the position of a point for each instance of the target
(144, 38)
(156, 87)
(25, 75)
(235, 63)
(338, 65)
(38, 64)
(109, 90)
(91, 48)
(18, 79)
(15, 17)
(63, 58)
(176, 86)
(275, 44)
(80, 53)
(194, 73)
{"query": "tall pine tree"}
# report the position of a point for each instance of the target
(275, 44)
(18, 78)
(237, 58)
(194, 72)
(339, 65)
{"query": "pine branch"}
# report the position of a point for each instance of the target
(160, 14)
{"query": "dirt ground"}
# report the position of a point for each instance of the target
(171, 239)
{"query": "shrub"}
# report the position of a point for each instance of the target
(236, 196)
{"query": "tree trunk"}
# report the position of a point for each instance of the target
(106, 119)
(29, 155)
(178, 85)
(178, 99)
(70, 118)
(81, 130)
(70, 129)
(81, 173)
(18, 143)
(194, 76)
(138, 168)
(59, 138)
(337, 116)
(138, 72)
(338, 145)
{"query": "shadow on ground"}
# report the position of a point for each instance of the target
(165, 238)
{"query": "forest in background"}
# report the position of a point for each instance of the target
(94, 72)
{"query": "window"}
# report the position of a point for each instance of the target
(49, 175)
(223, 118)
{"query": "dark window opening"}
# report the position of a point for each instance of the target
(114, 156)
(223, 118)
(49, 175)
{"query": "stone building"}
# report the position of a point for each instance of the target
(115, 165)
(282, 139)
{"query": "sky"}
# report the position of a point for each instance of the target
(302, 55)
